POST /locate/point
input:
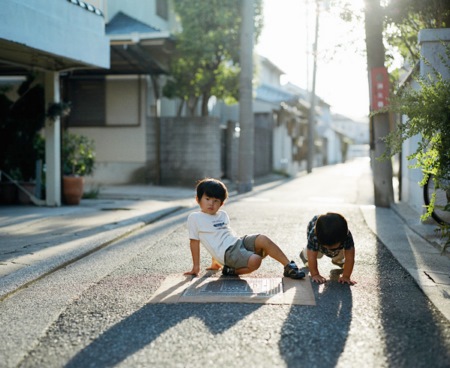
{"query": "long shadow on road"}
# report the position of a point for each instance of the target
(416, 334)
(147, 324)
(315, 337)
(305, 329)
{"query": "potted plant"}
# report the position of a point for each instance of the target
(78, 160)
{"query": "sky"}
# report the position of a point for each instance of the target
(341, 75)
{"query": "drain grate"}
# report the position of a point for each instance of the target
(258, 287)
(210, 288)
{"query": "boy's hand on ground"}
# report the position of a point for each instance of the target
(319, 279)
(346, 280)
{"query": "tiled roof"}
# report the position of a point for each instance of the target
(124, 24)
(86, 6)
(273, 94)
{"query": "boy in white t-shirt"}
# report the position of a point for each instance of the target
(237, 255)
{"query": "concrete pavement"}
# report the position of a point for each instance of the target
(35, 241)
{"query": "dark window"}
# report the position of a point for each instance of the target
(88, 98)
(115, 101)
(162, 9)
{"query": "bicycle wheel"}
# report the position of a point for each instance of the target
(442, 199)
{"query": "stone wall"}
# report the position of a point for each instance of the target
(190, 150)
(263, 162)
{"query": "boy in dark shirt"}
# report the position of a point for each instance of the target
(328, 235)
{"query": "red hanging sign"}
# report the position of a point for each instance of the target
(379, 88)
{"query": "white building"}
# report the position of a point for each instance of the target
(51, 37)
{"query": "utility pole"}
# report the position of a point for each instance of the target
(246, 120)
(312, 108)
(382, 170)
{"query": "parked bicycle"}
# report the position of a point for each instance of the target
(440, 191)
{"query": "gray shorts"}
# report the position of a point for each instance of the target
(238, 254)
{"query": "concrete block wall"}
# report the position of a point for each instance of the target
(433, 44)
(190, 150)
(231, 151)
(263, 141)
(263, 148)
(152, 171)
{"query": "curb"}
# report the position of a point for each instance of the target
(420, 258)
(71, 252)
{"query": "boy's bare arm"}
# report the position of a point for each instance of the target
(313, 268)
(195, 252)
(348, 267)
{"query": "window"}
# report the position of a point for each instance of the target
(114, 101)
(123, 101)
(88, 102)
(162, 9)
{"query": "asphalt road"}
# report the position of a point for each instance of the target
(94, 313)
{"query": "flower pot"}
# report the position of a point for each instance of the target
(8, 193)
(72, 189)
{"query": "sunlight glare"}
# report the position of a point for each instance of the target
(287, 41)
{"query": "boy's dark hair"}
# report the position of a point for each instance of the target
(212, 188)
(331, 228)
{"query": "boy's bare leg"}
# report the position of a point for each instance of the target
(253, 264)
(264, 244)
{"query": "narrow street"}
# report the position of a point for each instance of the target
(95, 312)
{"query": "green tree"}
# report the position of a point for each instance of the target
(394, 23)
(427, 108)
(404, 20)
(206, 61)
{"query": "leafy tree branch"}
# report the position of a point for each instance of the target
(207, 53)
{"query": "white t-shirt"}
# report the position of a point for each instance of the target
(213, 231)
